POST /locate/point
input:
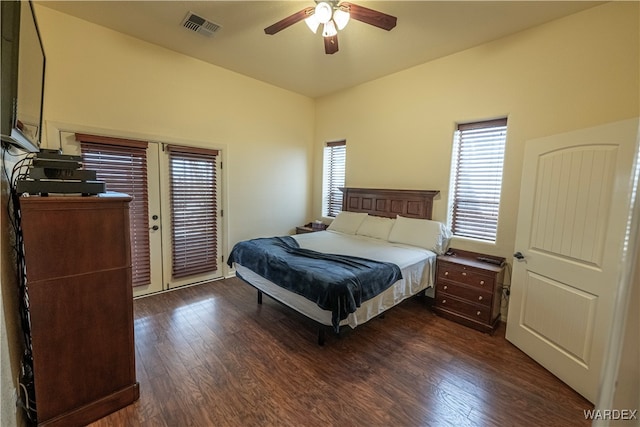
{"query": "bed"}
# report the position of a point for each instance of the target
(380, 250)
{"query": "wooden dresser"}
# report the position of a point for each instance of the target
(469, 291)
(78, 267)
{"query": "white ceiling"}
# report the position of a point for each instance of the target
(294, 58)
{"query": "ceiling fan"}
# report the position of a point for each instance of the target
(334, 16)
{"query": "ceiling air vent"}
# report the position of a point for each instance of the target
(200, 25)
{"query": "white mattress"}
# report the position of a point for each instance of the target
(416, 264)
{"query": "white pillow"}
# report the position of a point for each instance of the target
(347, 222)
(424, 233)
(375, 226)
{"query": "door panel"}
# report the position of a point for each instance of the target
(170, 281)
(155, 214)
(574, 339)
(571, 210)
(574, 206)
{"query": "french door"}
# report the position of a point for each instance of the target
(191, 183)
(175, 209)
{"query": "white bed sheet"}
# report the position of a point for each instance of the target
(416, 264)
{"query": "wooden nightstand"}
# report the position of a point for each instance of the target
(310, 228)
(469, 291)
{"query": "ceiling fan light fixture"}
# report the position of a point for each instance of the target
(329, 29)
(323, 12)
(313, 23)
(341, 18)
(334, 16)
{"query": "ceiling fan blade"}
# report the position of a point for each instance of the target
(370, 16)
(289, 21)
(330, 45)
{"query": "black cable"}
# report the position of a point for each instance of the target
(19, 171)
(26, 380)
(506, 289)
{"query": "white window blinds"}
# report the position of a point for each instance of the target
(335, 155)
(193, 210)
(476, 179)
(122, 165)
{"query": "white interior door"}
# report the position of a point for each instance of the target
(574, 206)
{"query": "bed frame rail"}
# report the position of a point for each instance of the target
(321, 328)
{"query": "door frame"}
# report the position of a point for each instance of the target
(165, 174)
(53, 140)
(629, 277)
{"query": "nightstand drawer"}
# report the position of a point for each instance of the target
(469, 288)
(480, 313)
(471, 294)
(464, 274)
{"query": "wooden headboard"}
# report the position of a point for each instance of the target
(389, 203)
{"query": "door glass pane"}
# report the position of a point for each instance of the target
(193, 213)
(124, 170)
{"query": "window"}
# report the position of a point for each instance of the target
(335, 155)
(122, 165)
(476, 179)
(194, 210)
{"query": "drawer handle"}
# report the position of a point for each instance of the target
(478, 313)
(444, 301)
(482, 282)
(464, 273)
(445, 287)
(446, 273)
(480, 298)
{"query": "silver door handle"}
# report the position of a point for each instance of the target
(518, 255)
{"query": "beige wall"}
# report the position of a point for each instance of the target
(572, 73)
(101, 79)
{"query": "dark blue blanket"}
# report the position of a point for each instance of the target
(334, 282)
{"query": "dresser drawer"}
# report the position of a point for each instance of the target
(480, 313)
(468, 293)
(465, 274)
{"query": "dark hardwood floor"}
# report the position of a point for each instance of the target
(208, 355)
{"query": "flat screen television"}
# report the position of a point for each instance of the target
(23, 66)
